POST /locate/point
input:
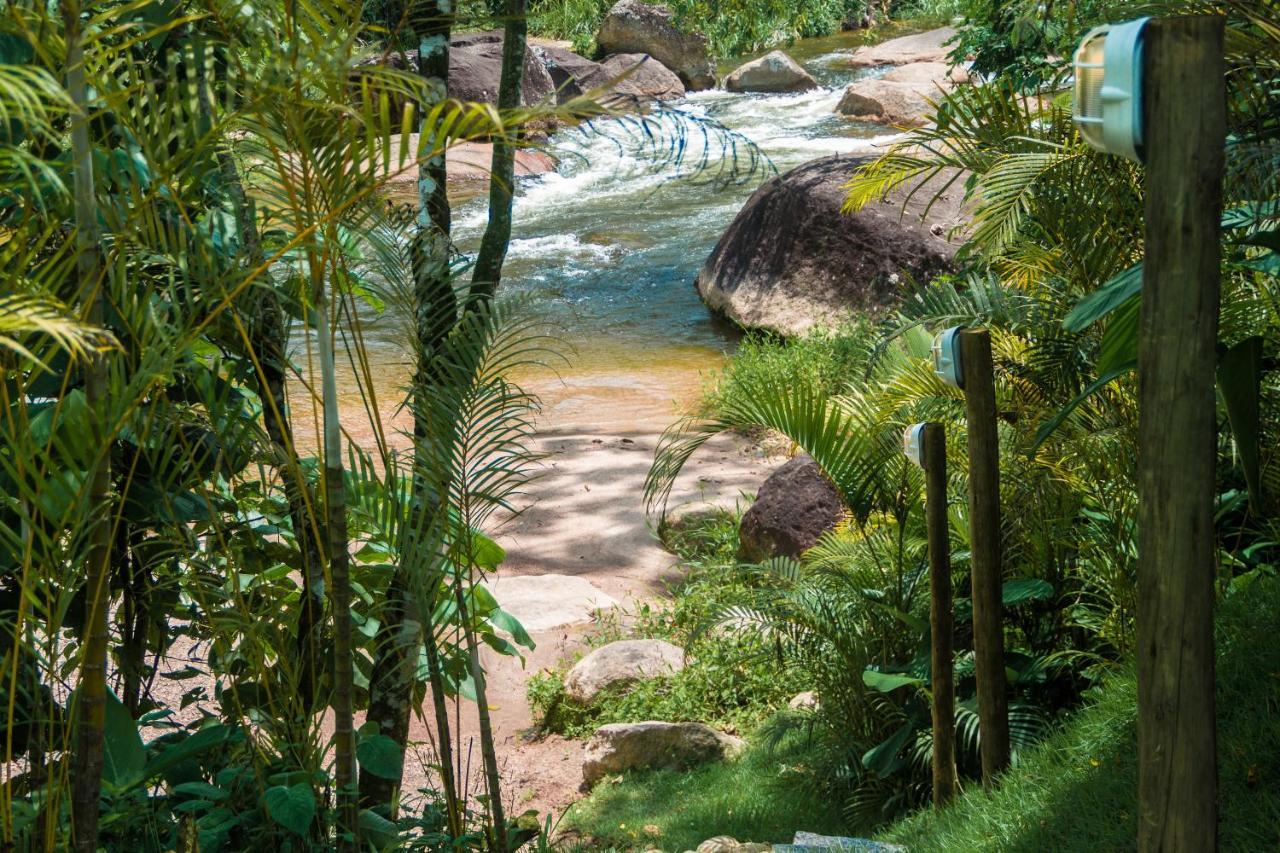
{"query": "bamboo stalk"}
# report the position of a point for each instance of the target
(91, 694)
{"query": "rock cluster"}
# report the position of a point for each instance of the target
(902, 96)
(635, 27)
(928, 46)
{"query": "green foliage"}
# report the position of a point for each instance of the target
(1079, 788)
(728, 681)
(766, 795)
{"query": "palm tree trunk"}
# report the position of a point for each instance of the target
(488, 752)
(91, 694)
(487, 273)
(391, 685)
(339, 584)
(268, 348)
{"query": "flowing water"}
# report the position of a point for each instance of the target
(609, 244)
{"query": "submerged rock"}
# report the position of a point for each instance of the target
(773, 72)
(635, 27)
(619, 663)
(795, 507)
(620, 747)
(791, 261)
(921, 47)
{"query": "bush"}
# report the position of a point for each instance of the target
(728, 682)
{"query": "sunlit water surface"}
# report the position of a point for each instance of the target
(608, 246)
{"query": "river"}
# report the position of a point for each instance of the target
(609, 244)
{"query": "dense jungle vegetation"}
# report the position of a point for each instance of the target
(193, 235)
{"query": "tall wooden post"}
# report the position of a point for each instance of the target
(984, 546)
(1185, 127)
(933, 457)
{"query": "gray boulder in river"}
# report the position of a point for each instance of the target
(635, 27)
(791, 261)
(773, 72)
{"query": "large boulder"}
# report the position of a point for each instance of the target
(573, 75)
(791, 261)
(619, 663)
(655, 81)
(620, 747)
(475, 71)
(794, 508)
(635, 27)
(901, 97)
(773, 72)
(922, 47)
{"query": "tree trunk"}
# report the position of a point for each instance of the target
(487, 273)
(1185, 106)
(91, 694)
(941, 615)
(339, 581)
(985, 570)
(391, 683)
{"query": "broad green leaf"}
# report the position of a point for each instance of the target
(381, 756)
(1022, 590)
(486, 553)
(883, 759)
(1240, 383)
(887, 682)
(504, 621)
(378, 831)
(293, 807)
(1120, 340)
(1104, 300)
(124, 758)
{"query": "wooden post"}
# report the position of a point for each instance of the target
(984, 546)
(933, 451)
(1185, 128)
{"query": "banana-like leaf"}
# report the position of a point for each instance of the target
(1240, 384)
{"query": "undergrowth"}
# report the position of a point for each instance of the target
(727, 682)
(1078, 790)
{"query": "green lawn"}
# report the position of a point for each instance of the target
(1077, 791)
(763, 796)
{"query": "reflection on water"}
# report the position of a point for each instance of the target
(609, 246)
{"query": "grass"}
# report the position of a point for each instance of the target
(763, 796)
(1077, 791)
(728, 682)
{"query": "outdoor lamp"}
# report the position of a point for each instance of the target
(946, 357)
(911, 446)
(1107, 103)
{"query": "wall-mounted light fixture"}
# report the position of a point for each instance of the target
(912, 444)
(1107, 102)
(946, 357)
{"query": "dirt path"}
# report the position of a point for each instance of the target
(583, 540)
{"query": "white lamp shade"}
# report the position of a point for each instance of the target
(912, 446)
(1107, 103)
(946, 357)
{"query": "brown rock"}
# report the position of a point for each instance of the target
(573, 76)
(920, 47)
(791, 261)
(620, 747)
(620, 663)
(655, 81)
(635, 27)
(795, 507)
(773, 72)
(902, 97)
